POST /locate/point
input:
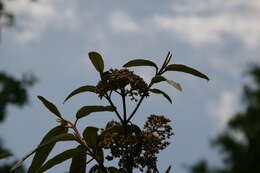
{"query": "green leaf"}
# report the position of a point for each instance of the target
(97, 61)
(140, 62)
(5, 155)
(86, 88)
(50, 106)
(174, 84)
(45, 147)
(158, 79)
(112, 170)
(100, 155)
(185, 69)
(86, 110)
(78, 164)
(90, 135)
(47, 143)
(157, 91)
(68, 154)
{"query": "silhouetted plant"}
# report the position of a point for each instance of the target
(133, 147)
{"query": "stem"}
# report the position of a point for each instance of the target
(124, 103)
(112, 104)
(136, 108)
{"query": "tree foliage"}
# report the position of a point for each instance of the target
(240, 155)
(128, 144)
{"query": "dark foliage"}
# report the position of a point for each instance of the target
(240, 155)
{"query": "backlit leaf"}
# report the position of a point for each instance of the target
(47, 143)
(50, 106)
(157, 91)
(68, 154)
(87, 88)
(140, 62)
(86, 110)
(97, 61)
(185, 69)
(158, 79)
(78, 163)
(174, 84)
(90, 135)
(43, 151)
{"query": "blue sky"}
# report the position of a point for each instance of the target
(51, 39)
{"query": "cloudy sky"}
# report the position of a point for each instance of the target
(51, 39)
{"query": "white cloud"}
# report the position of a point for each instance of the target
(207, 22)
(34, 18)
(222, 109)
(121, 22)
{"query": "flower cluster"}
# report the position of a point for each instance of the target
(140, 149)
(115, 79)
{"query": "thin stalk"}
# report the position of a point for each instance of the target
(112, 104)
(124, 102)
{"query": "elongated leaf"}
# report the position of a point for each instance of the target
(174, 84)
(5, 155)
(90, 135)
(68, 154)
(140, 62)
(50, 106)
(43, 152)
(97, 61)
(158, 79)
(86, 88)
(157, 91)
(100, 155)
(78, 164)
(86, 110)
(44, 143)
(185, 69)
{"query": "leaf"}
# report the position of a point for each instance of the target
(90, 135)
(50, 106)
(112, 170)
(157, 91)
(185, 69)
(97, 61)
(86, 88)
(46, 140)
(140, 62)
(78, 164)
(86, 110)
(158, 79)
(174, 84)
(68, 154)
(5, 155)
(100, 156)
(44, 150)
(168, 169)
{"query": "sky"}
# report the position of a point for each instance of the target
(51, 40)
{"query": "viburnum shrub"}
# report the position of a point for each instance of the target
(134, 148)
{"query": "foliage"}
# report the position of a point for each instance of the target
(240, 155)
(125, 141)
(12, 92)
